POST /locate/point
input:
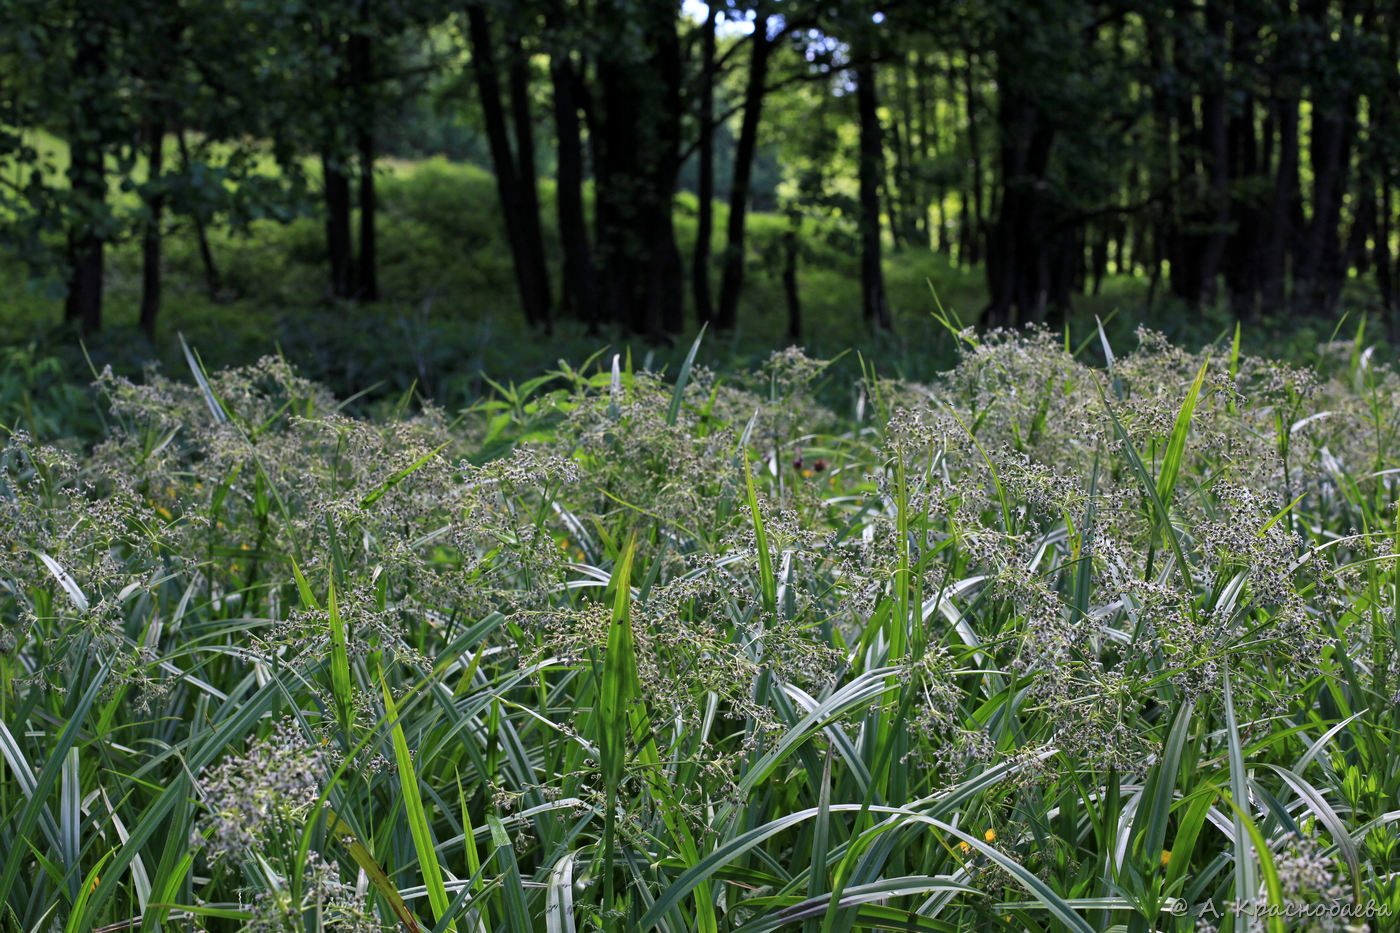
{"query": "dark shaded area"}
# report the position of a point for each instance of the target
(1230, 154)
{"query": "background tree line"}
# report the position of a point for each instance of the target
(1239, 151)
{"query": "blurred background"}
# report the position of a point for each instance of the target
(423, 197)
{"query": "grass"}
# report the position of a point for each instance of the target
(1031, 645)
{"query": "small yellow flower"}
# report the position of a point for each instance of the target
(807, 474)
(965, 847)
(1166, 857)
(990, 835)
(95, 879)
(164, 512)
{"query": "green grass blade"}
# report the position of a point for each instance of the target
(1176, 446)
(413, 809)
(683, 377)
(1246, 868)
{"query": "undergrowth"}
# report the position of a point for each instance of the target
(1033, 645)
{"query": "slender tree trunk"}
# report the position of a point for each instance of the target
(1274, 272)
(1387, 264)
(910, 196)
(704, 221)
(1099, 257)
(580, 291)
(925, 126)
(874, 305)
(532, 236)
(151, 235)
(975, 157)
(206, 256)
(533, 296)
(794, 303)
(88, 181)
(361, 53)
(337, 197)
(1218, 158)
(733, 279)
(1321, 272)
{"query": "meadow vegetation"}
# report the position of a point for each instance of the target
(1031, 644)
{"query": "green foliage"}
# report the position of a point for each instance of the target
(612, 652)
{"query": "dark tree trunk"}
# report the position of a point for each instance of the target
(1273, 274)
(531, 235)
(926, 127)
(733, 279)
(1246, 246)
(794, 303)
(705, 218)
(580, 291)
(1387, 264)
(1213, 113)
(1019, 254)
(338, 244)
(975, 157)
(874, 305)
(892, 190)
(911, 199)
(636, 129)
(1322, 269)
(534, 299)
(151, 234)
(88, 182)
(361, 75)
(206, 255)
(1098, 260)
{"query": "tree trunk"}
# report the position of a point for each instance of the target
(975, 156)
(206, 256)
(1322, 271)
(1019, 251)
(733, 280)
(88, 183)
(533, 297)
(580, 289)
(338, 244)
(361, 61)
(874, 305)
(911, 201)
(704, 221)
(925, 126)
(1213, 113)
(531, 235)
(636, 130)
(1387, 264)
(794, 303)
(1273, 274)
(151, 235)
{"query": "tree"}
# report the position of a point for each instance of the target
(760, 48)
(515, 178)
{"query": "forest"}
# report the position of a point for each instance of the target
(1221, 155)
(614, 466)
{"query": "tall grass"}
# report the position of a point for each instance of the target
(1031, 646)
